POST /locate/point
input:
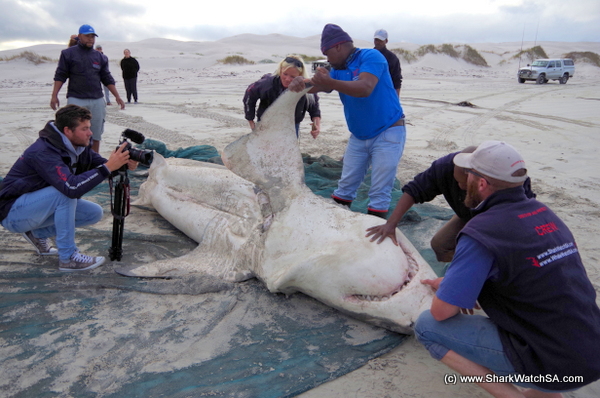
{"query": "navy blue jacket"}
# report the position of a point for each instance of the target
(86, 69)
(47, 162)
(541, 298)
(267, 89)
(438, 179)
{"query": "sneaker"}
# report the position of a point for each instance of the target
(43, 247)
(80, 262)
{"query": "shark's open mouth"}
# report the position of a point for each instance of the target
(412, 271)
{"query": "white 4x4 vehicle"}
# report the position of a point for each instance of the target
(542, 70)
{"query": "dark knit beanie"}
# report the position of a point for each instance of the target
(332, 36)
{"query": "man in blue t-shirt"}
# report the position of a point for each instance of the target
(520, 263)
(373, 114)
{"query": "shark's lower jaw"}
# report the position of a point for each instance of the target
(412, 271)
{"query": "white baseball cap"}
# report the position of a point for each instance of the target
(495, 159)
(381, 34)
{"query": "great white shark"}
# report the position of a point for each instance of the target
(256, 218)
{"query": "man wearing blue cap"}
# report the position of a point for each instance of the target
(373, 114)
(87, 71)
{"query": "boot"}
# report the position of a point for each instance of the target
(342, 201)
(378, 213)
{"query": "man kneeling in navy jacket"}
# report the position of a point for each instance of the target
(41, 194)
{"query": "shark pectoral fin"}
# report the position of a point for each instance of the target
(166, 269)
(134, 273)
(198, 261)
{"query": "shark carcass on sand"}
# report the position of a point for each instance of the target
(257, 218)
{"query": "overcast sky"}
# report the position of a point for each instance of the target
(28, 22)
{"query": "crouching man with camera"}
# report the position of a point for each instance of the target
(41, 194)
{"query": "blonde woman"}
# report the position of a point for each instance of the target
(270, 86)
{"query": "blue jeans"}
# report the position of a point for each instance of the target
(47, 213)
(474, 337)
(382, 154)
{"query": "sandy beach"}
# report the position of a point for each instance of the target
(187, 97)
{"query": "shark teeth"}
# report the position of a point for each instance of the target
(361, 297)
(370, 297)
(412, 271)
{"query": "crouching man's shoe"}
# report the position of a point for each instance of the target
(80, 262)
(43, 247)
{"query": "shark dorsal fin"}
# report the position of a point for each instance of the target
(269, 156)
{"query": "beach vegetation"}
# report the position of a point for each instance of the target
(472, 56)
(235, 60)
(426, 49)
(406, 55)
(532, 53)
(449, 49)
(30, 56)
(310, 58)
(464, 52)
(584, 56)
(266, 61)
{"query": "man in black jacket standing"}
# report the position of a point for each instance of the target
(380, 39)
(130, 67)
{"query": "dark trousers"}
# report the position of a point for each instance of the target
(131, 88)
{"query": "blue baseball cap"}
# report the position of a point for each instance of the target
(87, 30)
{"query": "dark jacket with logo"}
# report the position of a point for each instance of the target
(541, 298)
(47, 162)
(86, 69)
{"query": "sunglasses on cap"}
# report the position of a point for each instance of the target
(296, 62)
(477, 174)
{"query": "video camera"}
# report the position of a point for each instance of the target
(120, 207)
(144, 156)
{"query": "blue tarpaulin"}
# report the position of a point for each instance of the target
(97, 334)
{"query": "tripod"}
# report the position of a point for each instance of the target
(119, 210)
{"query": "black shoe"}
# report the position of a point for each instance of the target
(378, 213)
(342, 201)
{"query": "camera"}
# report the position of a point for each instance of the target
(144, 156)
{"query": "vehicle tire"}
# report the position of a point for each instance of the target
(564, 78)
(521, 80)
(541, 79)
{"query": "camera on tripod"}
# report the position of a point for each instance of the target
(119, 178)
(144, 156)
